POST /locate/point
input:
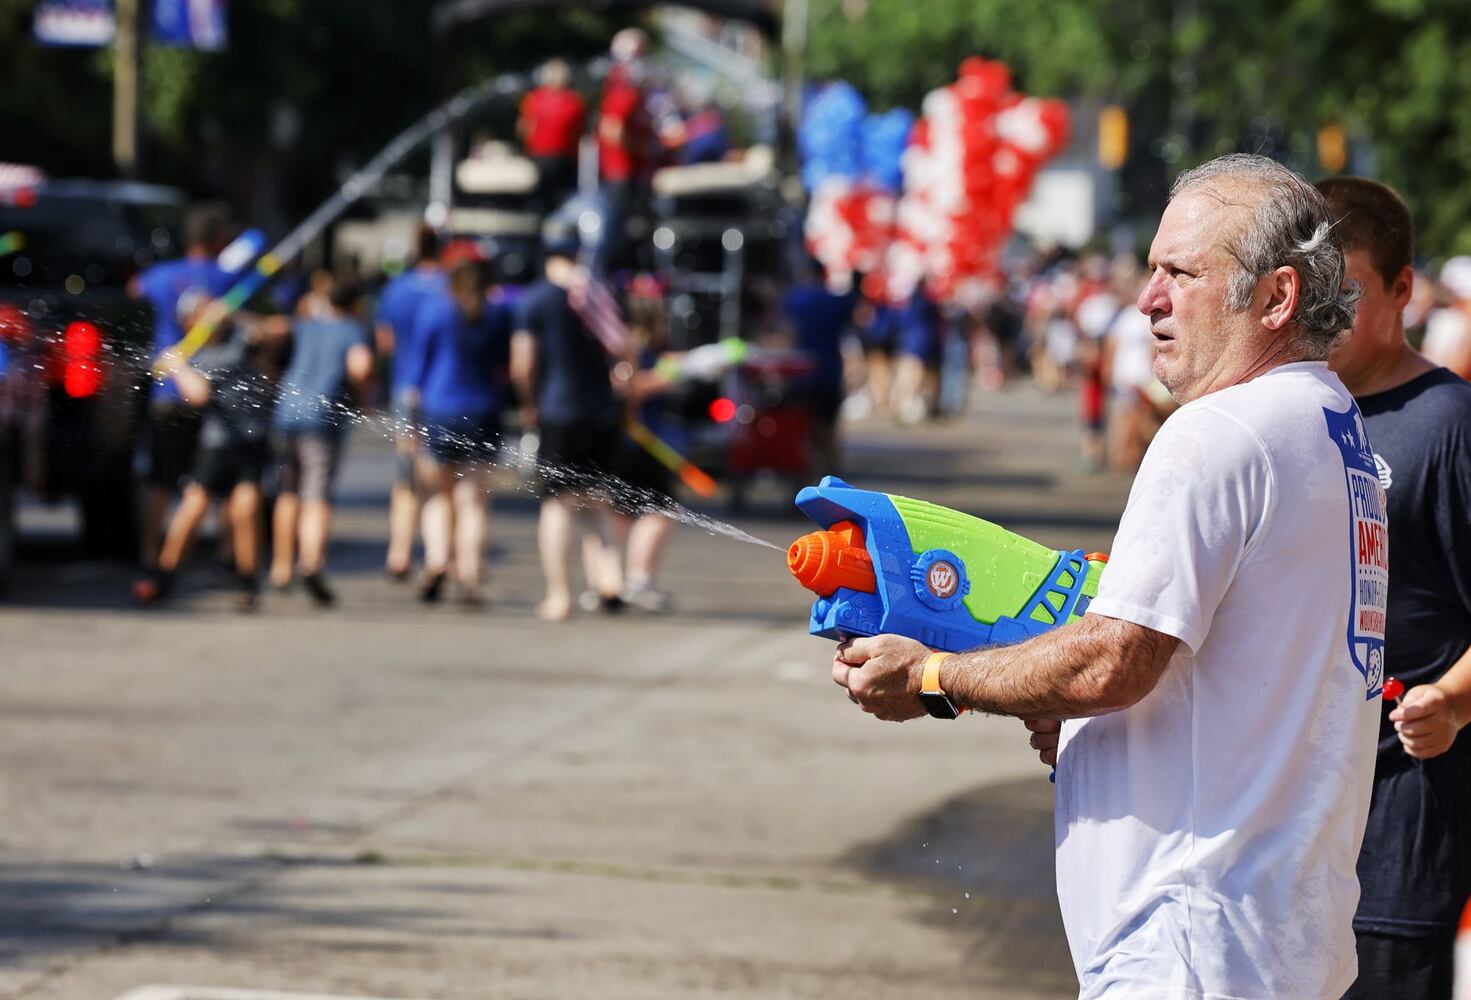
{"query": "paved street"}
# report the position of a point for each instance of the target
(391, 801)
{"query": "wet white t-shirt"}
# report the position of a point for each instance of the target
(1207, 836)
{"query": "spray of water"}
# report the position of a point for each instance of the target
(261, 392)
(622, 496)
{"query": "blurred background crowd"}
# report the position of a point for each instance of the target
(625, 260)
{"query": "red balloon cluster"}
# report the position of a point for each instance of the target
(970, 162)
(969, 165)
(850, 225)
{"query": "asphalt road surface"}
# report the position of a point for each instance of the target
(388, 800)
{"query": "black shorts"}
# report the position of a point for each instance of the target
(173, 441)
(578, 457)
(462, 440)
(1392, 966)
(220, 469)
(826, 402)
(644, 473)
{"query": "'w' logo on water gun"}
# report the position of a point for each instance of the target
(886, 563)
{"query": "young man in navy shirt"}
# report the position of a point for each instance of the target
(564, 374)
(1415, 866)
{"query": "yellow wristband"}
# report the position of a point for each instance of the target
(931, 682)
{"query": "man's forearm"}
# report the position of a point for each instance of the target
(1091, 667)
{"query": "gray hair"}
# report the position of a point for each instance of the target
(1292, 226)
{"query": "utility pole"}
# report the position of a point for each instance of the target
(794, 56)
(125, 90)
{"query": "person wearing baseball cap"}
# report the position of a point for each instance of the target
(562, 358)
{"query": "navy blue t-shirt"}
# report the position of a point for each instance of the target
(1415, 868)
(919, 328)
(571, 366)
(820, 319)
(464, 365)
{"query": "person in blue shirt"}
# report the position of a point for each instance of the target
(403, 298)
(329, 357)
(916, 374)
(460, 353)
(564, 374)
(820, 319)
(172, 424)
(878, 330)
(697, 133)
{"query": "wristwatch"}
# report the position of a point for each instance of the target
(931, 695)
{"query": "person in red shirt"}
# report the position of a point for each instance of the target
(625, 140)
(550, 126)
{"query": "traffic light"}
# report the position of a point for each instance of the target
(1332, 147)
(1113, 137)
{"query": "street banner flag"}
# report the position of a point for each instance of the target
(190, 24)
(80, 23)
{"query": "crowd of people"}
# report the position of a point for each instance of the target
(643, 121)
(1068, 320)
(459, 359)
(259, 414)
(255, 419)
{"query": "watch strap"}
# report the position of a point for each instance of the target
(932, 695)
(930, 684)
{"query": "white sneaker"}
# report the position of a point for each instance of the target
(648, 599)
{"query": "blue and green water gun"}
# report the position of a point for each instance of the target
(889, 564)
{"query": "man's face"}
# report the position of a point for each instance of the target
(1199, 345)
(1376, 332)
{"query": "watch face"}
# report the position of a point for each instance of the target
(939, 705)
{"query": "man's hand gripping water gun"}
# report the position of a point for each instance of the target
(910, 574)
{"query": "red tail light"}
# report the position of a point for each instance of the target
(15, 325)
(81, 373)
(722, 410)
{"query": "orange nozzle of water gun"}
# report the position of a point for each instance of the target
(826, 560)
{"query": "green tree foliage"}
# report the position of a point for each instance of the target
(1206, 76)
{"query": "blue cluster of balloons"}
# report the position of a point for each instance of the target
(885, 137)
(830, 136)
(839, 138)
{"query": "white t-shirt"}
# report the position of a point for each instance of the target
(1133, 351)
(1096, 313)
(1207, 836)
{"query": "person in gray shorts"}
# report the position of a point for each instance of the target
(330, 356)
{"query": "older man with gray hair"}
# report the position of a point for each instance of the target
(1218, 703)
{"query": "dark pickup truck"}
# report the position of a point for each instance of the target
(74, 348)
